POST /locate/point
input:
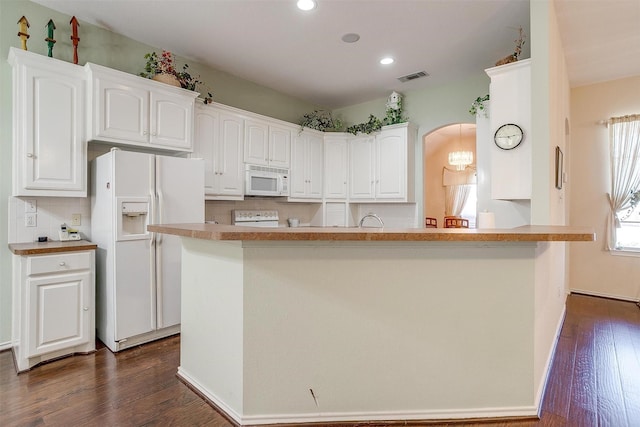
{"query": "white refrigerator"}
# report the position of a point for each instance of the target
(138, 272)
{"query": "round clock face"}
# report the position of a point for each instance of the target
(508, 136)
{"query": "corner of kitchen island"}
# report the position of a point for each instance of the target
(345, 324)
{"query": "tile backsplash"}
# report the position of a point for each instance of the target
(54, 211)
(394, 215)
(51, 213)
(220, 211)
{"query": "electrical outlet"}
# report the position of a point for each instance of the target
(30, 205)
(30, 220)
(76, 219)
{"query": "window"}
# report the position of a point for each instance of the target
(624, 219)
(628, 235)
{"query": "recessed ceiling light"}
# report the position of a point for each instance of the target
(351, 38)
(386, 61)
(306, 4)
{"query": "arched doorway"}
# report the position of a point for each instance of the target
(439, 174)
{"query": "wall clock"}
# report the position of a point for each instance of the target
(508, 136)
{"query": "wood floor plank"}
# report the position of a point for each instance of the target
(557, 394)
(583, 403)
(610, 406)
(599, 342)
(625, 326)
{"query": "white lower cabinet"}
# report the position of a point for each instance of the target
(55, 313)
(219, 139)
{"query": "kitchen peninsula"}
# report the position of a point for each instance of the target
(332, 324)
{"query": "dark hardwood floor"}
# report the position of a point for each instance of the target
(594, 381)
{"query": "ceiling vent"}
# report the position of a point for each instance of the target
(413, 76)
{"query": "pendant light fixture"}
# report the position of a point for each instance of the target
(460, 159)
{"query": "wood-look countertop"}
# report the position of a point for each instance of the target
(40, 248)
(519, 234)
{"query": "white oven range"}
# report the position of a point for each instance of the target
(254, 218)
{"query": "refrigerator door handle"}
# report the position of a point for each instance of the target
(159, 278)
(159, 211)
(152, 214)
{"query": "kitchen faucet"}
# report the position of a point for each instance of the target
(371, 215)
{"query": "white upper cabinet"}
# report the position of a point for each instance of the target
(307, 165)
(382, 166)
(391, 164)
(336, 166)
(132, 110)
(219, 138)
(267, 144)
(361, 167)
(511, 170)
(49, 150)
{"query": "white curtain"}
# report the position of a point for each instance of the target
(457, 186)
(624, 146)
(455, 198)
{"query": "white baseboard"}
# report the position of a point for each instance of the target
(5, 345)
(549, 362)
(604, 295)
(507, 412)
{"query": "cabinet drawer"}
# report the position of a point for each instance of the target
(60, 262)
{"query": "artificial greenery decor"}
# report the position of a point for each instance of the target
(394, 115)
(321, 120)
(165, 64)
(516, 52)
(477, 106)
(372, 125)
(394, 110)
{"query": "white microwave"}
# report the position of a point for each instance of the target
(266, 181)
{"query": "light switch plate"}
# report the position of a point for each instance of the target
(30, 205)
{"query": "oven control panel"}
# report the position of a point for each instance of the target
(254, 216)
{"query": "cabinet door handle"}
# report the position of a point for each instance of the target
(62, 263)
(86, 308)
(145, 133)
(30, 155)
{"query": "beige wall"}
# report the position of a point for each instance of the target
(592, 269)
(549, 109)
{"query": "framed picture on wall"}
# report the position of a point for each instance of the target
(559, 167)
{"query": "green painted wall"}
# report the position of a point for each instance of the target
(430, 109)
(102, 47)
